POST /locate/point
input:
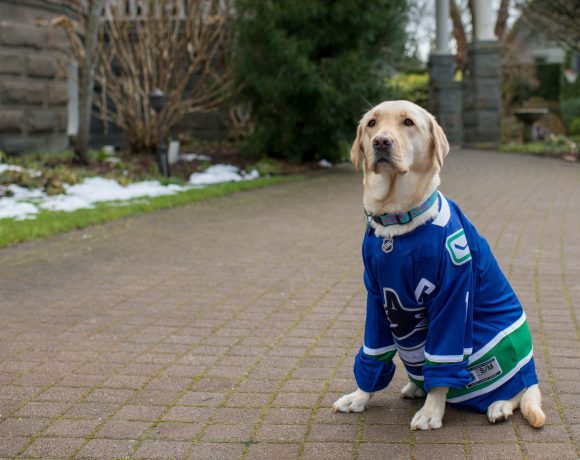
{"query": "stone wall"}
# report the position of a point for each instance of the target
(33, 77)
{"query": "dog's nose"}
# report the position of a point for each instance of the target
(382, 142)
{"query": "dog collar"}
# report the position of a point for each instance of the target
(403, 217)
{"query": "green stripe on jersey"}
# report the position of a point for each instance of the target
(388, 356)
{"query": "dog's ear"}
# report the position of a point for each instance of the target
(356, 151)
(439, 142)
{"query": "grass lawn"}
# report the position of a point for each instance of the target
(49, 223)
(536, 148)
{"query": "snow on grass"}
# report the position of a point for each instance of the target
(4, 167)
(25, 203)
(10, 208)
(221, 173)
(193, 157)
(32, 172)
(98, 189)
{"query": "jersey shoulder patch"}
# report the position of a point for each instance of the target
(456, 245)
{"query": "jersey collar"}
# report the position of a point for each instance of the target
(404, 217)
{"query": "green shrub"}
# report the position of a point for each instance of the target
(548, 76)
(570, 109)
(575, 127)
(307, 69)
(412, 86)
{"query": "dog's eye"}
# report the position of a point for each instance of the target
(372, 123)
(408, 122)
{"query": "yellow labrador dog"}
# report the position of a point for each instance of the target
(435, 293)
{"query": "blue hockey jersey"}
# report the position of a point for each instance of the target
(437, 297)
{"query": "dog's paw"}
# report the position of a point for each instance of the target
(499, 410)
(411, 391)
(427, 419)
(353, 402)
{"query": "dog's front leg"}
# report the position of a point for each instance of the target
(430, 416)
(352, 402)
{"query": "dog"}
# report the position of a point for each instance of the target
(435, 293)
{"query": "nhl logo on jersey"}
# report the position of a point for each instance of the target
(387, 245)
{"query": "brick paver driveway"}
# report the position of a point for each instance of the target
(226, 329)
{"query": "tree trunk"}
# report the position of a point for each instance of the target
(87, 79)
(459, 35)
(502, 17)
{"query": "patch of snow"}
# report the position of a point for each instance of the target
(31, 172)
(325, 163)
(97, 189)
(65, 203)
(21, 193)
(193, 157)
(79, 196)
(222, 173)
(108, 150)
(5, 167)
(10, 208)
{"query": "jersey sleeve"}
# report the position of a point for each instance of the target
(450, 312)
(373, 365)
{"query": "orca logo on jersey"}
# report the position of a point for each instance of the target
(404, 321)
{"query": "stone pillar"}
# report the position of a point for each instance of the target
(482, 82)
(33, 77)
(482, 95)
(444, 91)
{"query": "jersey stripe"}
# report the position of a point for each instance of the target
(444, 358)
(444, 213)
(378, 351)
(493, 342)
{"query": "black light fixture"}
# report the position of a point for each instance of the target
(157, 101)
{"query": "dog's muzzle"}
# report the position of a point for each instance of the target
(383, 148)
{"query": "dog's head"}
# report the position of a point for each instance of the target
(401, 149)
(396, 137)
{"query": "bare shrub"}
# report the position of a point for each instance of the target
(178, 46)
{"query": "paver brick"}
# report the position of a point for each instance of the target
(336, 451)
(122, 429)
(72, 428)
(176, 430)
(53, 447)
(106, 448)
(264, 451)
(376, 450)
(162, 449)
(446, 451)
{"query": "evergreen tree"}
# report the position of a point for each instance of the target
(307, 68)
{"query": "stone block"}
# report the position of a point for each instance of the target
(24, 92)
(16, 144)
(41, 121)
(11, 64)
(18, 34)
(441, 67)
(11, 121)
(57, 40)
(41, 66)
(57, 93)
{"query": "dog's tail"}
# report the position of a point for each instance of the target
(531, 407)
